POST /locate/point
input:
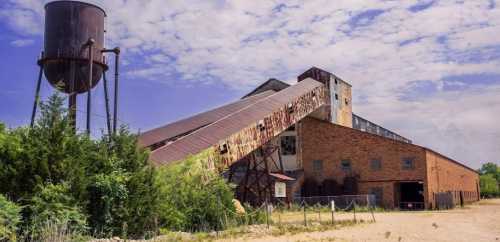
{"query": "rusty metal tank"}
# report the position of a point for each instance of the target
(68, 27)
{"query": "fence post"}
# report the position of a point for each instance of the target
(305, 219)
(267, 214)
(279, 215)
(354, 206)
(319, 214)
(333, 211)
(373, 216)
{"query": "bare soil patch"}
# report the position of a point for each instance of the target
(476, 222)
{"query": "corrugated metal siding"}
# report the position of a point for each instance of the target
(240, 131)
(364, 125)
(184, 126)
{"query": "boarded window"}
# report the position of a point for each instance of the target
(408, 163)
(378, 192)
(376, 164)
(317, 165)
(288, 145)
(345, 165)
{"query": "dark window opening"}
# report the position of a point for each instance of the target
(336, 96)
(290, 108)
(317, 165)
(345, 165)
(223, 148)
(376, 164)
(408, 164)
(261, 126)
(346, 101)
(288, 145)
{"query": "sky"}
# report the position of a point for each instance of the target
(428, 70)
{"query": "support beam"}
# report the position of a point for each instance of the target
(90, 45)
(106, 101)
(37, 96)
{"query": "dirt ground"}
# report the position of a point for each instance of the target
(476, 222)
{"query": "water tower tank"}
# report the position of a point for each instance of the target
(68, 27)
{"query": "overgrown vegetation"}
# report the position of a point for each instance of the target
(66, 183)
(9, 219)
(194, 198)
(490, 180)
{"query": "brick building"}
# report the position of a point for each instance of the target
(398, 173)
(306, 136)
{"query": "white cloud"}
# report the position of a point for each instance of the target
(22, 42)
(242, 43)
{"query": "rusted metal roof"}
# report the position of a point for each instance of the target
(239, 133)
(187, 125)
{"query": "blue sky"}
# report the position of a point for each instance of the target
(428, 70)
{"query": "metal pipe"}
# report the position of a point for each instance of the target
(116, 51)
(106, 100)
(72, 110)
(37, 95)
(90, 44)
(115, 108)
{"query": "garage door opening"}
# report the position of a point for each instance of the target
(411, 195)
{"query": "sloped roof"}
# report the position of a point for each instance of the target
(202, 138)
(190, 124)
(271, 84)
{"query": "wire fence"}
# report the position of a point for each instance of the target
(307, 211)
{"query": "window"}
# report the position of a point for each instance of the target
(317, 165)
(376, 164)
(336, 96)
(288, 145)
(346, 101)
(345, 165)
(408, 164)
(379, 193)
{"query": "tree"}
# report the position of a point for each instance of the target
(492, 169)
(109, 179)
(490, 179)
(489, 185)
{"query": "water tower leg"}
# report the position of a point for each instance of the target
(72, 110)
(115, 108)
(37, 96)
(90, 44)
(106, 100)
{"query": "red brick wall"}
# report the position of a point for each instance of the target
(446, 176)
(333, 143)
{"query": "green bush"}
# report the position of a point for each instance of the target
(108, 178)
(194, 198)
(51, 211)
(9, 219)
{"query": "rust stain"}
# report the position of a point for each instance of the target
(253, 136)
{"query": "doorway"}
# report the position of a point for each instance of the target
(411, 195)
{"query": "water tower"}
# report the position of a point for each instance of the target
(73, 59)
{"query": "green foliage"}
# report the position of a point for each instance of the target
(52, 206)
(490, 180)
(122, 192)
(9, 219)
(489, 185)
(194, 198)
(49, 167)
